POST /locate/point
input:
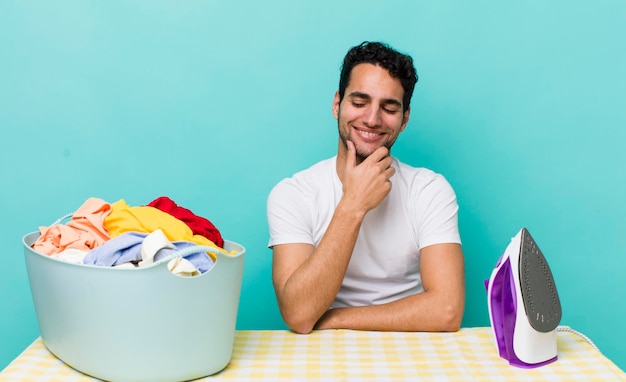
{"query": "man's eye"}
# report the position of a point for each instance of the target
(389, 110)
(357, 104)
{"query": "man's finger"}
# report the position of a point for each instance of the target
(378, 155)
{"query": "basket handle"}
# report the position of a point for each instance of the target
(66, 216)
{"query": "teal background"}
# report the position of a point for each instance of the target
(521, 105)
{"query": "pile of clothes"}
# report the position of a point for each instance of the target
(118, 235)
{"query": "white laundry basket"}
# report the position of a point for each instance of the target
(143, 324)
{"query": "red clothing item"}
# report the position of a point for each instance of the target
(197, 224)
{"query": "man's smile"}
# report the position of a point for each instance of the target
(369, 136)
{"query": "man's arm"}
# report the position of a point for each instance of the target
(307, 279)
(439, 308)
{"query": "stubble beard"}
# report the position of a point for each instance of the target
(346, 135)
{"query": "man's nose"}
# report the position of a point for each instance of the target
(372, 116)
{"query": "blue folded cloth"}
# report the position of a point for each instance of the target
(126, 248)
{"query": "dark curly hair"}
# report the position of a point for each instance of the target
(399, 65)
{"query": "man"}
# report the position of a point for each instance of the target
(362, 241)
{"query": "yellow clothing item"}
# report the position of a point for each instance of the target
(124, 218)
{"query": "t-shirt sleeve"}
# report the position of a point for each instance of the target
(436, 211)
(289, 215)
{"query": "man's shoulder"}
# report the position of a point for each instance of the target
(321, 167)
(308, 181)
(421, 173)
(421, 180)
(316, 173)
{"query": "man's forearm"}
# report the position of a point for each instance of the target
(421, 312)
(312, 287)
(307, 280)
(439, 308)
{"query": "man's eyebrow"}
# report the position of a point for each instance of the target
(357, 94)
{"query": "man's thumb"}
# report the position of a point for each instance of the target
(351, 159)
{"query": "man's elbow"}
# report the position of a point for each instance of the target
(451, 326)
(299, 324)
(451, 318)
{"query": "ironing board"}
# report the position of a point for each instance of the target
(337, 355)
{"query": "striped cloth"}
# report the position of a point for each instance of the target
(346, 355)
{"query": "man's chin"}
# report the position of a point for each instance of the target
(363, 153)
(366, 150)
(363, 150)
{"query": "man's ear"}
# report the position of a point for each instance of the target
(405, 118)
(336, 105)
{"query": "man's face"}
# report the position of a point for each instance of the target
(370, 114)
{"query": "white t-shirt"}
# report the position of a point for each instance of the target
(420, 210)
